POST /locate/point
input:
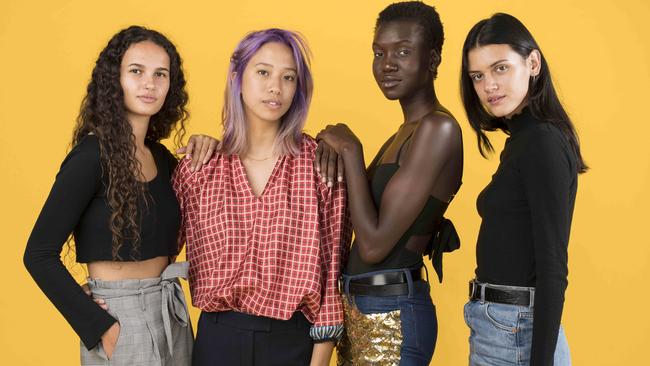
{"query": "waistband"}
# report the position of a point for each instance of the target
(245, 321)
(389, 282)
(173, 299)
(502, 294)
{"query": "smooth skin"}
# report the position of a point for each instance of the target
(403, 67)
(501, 77)
(144, 77)
(268, 86)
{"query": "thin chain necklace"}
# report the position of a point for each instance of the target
(248, 157)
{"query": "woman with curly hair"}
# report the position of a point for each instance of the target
(113, 193)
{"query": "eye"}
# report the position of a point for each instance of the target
(501, 68)
(263, 72)
(160, 74)
(378, 53)
(403, 52)
(476, 77)
(136, 71)
(289, 77)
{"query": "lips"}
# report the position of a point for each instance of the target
(389, 82)
(275, 104)
(495, 99)
(147, 98)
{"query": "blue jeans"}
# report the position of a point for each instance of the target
(502, 334)
(417, 317)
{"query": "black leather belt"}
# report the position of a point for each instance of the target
(384, 284)
(499, 295)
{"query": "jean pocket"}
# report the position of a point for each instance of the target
(502, 317)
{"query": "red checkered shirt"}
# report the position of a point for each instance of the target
(269, 255)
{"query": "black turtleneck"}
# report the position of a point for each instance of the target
(526, 211)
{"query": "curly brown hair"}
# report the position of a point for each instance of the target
(103, 113)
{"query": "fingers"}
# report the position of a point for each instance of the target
(181, 150)
(101, 302)
(340, 168)
(200, 154)
(189, 149)
(319, 152)
(86, 289)
(211, 149)
(331, 168)
(324, 160)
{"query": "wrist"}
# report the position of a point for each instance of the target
(352, 148)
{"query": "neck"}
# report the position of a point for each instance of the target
(261, 137)
(139, 125)
(419, 104)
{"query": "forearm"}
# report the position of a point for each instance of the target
(363, 213)
(322, 354)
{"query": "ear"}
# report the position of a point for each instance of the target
(434, 60)
(535, 62)
(233, 76)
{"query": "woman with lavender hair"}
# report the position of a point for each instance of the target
(265, 236)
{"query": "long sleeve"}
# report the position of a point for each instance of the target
(76, 184)
(549, 176)
(336, 232)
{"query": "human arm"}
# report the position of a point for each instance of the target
(549, 176)
(199, 149)
(76, 184)
(432, 145)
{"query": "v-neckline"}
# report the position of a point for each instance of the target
(269, 181)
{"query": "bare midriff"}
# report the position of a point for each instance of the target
(115, 271)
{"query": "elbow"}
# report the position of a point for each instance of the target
(370, 255)
(28, 260)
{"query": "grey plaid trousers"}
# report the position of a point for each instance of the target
(155, 328)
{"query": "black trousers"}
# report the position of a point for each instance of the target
(231, 339)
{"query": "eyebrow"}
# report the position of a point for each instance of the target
(269, 65)
(494, 63)
(396, 42)
(142, 66)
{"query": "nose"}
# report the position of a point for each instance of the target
(489, 84)
(274, 86)
(388, 64)
(149, 83)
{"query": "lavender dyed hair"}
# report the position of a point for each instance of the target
(291, 126)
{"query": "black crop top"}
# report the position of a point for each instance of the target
(77, 203)
(430, 221)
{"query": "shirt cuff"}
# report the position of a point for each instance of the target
(326, 333)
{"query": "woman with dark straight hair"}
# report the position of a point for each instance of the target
(526, 209)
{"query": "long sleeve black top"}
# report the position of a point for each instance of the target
(526, 211)
(77, 203)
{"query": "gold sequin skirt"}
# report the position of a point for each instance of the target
(369, 339)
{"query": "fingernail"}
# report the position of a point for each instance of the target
(330, 184)
(323, 180)
(339, 179)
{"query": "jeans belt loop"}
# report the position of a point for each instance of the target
(532, 298)
(409, 281)
(481, 286)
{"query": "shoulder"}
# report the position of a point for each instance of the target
(86, 152)
(546, 145)
(308, 147)
(437, 130)
(439, 123)
(545, 138)
(163, 152)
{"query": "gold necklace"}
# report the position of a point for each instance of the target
(247, 157)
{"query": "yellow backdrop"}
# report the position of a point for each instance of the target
(599, 55)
